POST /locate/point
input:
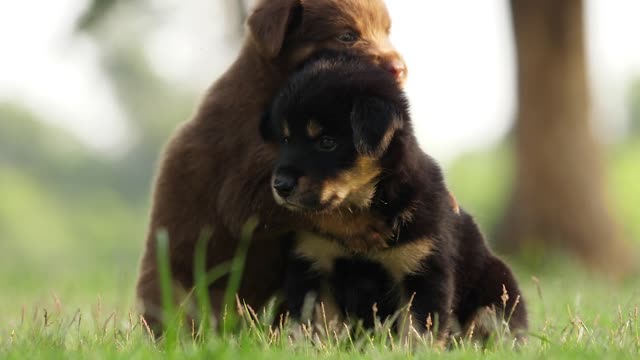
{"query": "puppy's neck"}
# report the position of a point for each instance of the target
(412, 181)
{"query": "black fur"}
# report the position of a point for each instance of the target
(358, 284)
(362, 109)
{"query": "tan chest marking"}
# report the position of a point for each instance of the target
(319, 250)
(398, 260)
(358, 231)
(404, 259)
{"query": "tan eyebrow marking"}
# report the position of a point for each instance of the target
(286, 130)
(313, 129)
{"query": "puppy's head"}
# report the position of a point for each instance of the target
(288, 31)
(333, 123)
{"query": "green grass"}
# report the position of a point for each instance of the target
(76, 262)
(573, 315)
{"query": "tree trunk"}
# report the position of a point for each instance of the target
(559, 195)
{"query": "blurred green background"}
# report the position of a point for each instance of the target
(73, 217)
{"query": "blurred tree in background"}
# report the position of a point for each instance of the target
(559, 195)
(153, 105)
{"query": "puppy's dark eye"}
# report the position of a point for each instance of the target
(348, 37)
(326, 143)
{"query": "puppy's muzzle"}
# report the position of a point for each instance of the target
(397, 68)
(284, 184)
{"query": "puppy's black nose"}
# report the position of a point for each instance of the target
(284, 184)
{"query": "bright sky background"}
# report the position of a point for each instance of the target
(459, 53)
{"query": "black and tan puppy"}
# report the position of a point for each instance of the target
(384, 230)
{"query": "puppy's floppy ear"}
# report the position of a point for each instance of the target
(270, 21)
(374, 121)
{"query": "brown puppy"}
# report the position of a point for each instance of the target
(216, 171)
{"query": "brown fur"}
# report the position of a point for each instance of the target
(215, 171)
